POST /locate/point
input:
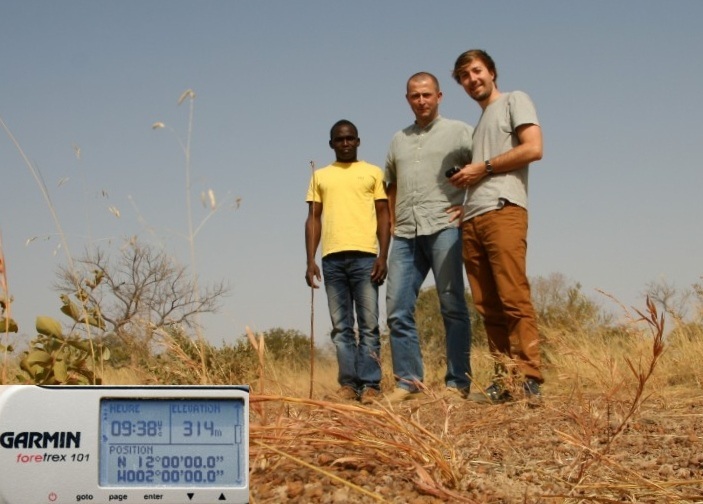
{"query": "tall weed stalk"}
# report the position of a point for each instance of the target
(189, 95)
(642, 373)
(36, 174)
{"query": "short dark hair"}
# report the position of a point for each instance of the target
(467, 57)
(342, 122)
(424, 75)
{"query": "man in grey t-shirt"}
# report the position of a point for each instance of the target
(425, 210)
(507, 139)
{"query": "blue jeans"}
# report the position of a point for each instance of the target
(409, 262)
(349, 288)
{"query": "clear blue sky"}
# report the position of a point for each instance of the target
(614, 204)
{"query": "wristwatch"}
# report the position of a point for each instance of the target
(489, 167)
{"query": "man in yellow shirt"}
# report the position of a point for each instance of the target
(355, 233)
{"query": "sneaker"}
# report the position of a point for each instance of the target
(369, 395)
(493, 394)
(532, 390)
(400, 394)
(346, 393)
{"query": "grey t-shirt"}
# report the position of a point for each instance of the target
(494, 135)
(417, 161)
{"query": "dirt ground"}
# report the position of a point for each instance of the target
(571, 448)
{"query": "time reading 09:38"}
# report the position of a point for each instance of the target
(171, 443)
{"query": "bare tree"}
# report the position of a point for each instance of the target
(134, 295)
(673, 302)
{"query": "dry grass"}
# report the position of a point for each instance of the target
(611, 429)
(620, 422)
(349, 436)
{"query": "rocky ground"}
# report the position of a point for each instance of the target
(624, 447)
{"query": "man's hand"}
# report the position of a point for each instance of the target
(313, 273)
(379, 271)
(455, 212)
(469, 175)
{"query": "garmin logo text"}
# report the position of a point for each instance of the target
(61, 439)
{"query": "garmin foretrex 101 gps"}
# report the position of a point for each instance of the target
(166, 445)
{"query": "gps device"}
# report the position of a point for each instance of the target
(133, 444)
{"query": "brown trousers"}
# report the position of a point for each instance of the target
(495, 252)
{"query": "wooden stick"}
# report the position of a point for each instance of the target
(312, 292)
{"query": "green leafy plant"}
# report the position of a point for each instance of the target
(54, 358)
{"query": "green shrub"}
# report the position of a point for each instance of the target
(53, 358)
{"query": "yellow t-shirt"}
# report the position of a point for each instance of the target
(348, 192)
